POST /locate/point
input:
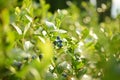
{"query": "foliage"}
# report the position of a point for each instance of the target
(67, 45)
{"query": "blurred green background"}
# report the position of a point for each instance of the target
(59, 40)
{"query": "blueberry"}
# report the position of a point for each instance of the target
(18, 65)
(26, 58)
(60, 45)
(34, 56)
(55, 42)
(55, 58)
(64, 74)
(60, 41)
(40, 56)
(58, 38)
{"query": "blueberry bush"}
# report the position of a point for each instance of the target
(69, 44)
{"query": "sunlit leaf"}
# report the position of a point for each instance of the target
(50, 25)
(46, 48)
(29, 18)
(27, 28)
(17, 28)
(60, 31)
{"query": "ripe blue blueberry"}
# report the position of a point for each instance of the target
(64, 74)
(34, 56)
(55, 42)
(18, 65)
(58, 37)
(58, 42)
(60, 45)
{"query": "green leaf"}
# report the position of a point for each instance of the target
(46, 48)
(79, 65)
(29, 18)
(19, 31)
(50, 25)
(85, 33)
(58, 22)
(60, 31)
(27, 28)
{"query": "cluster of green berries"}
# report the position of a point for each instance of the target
(58, 42)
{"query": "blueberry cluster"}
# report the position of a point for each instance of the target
(19, 64)
(58, 42)
(30, 58)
